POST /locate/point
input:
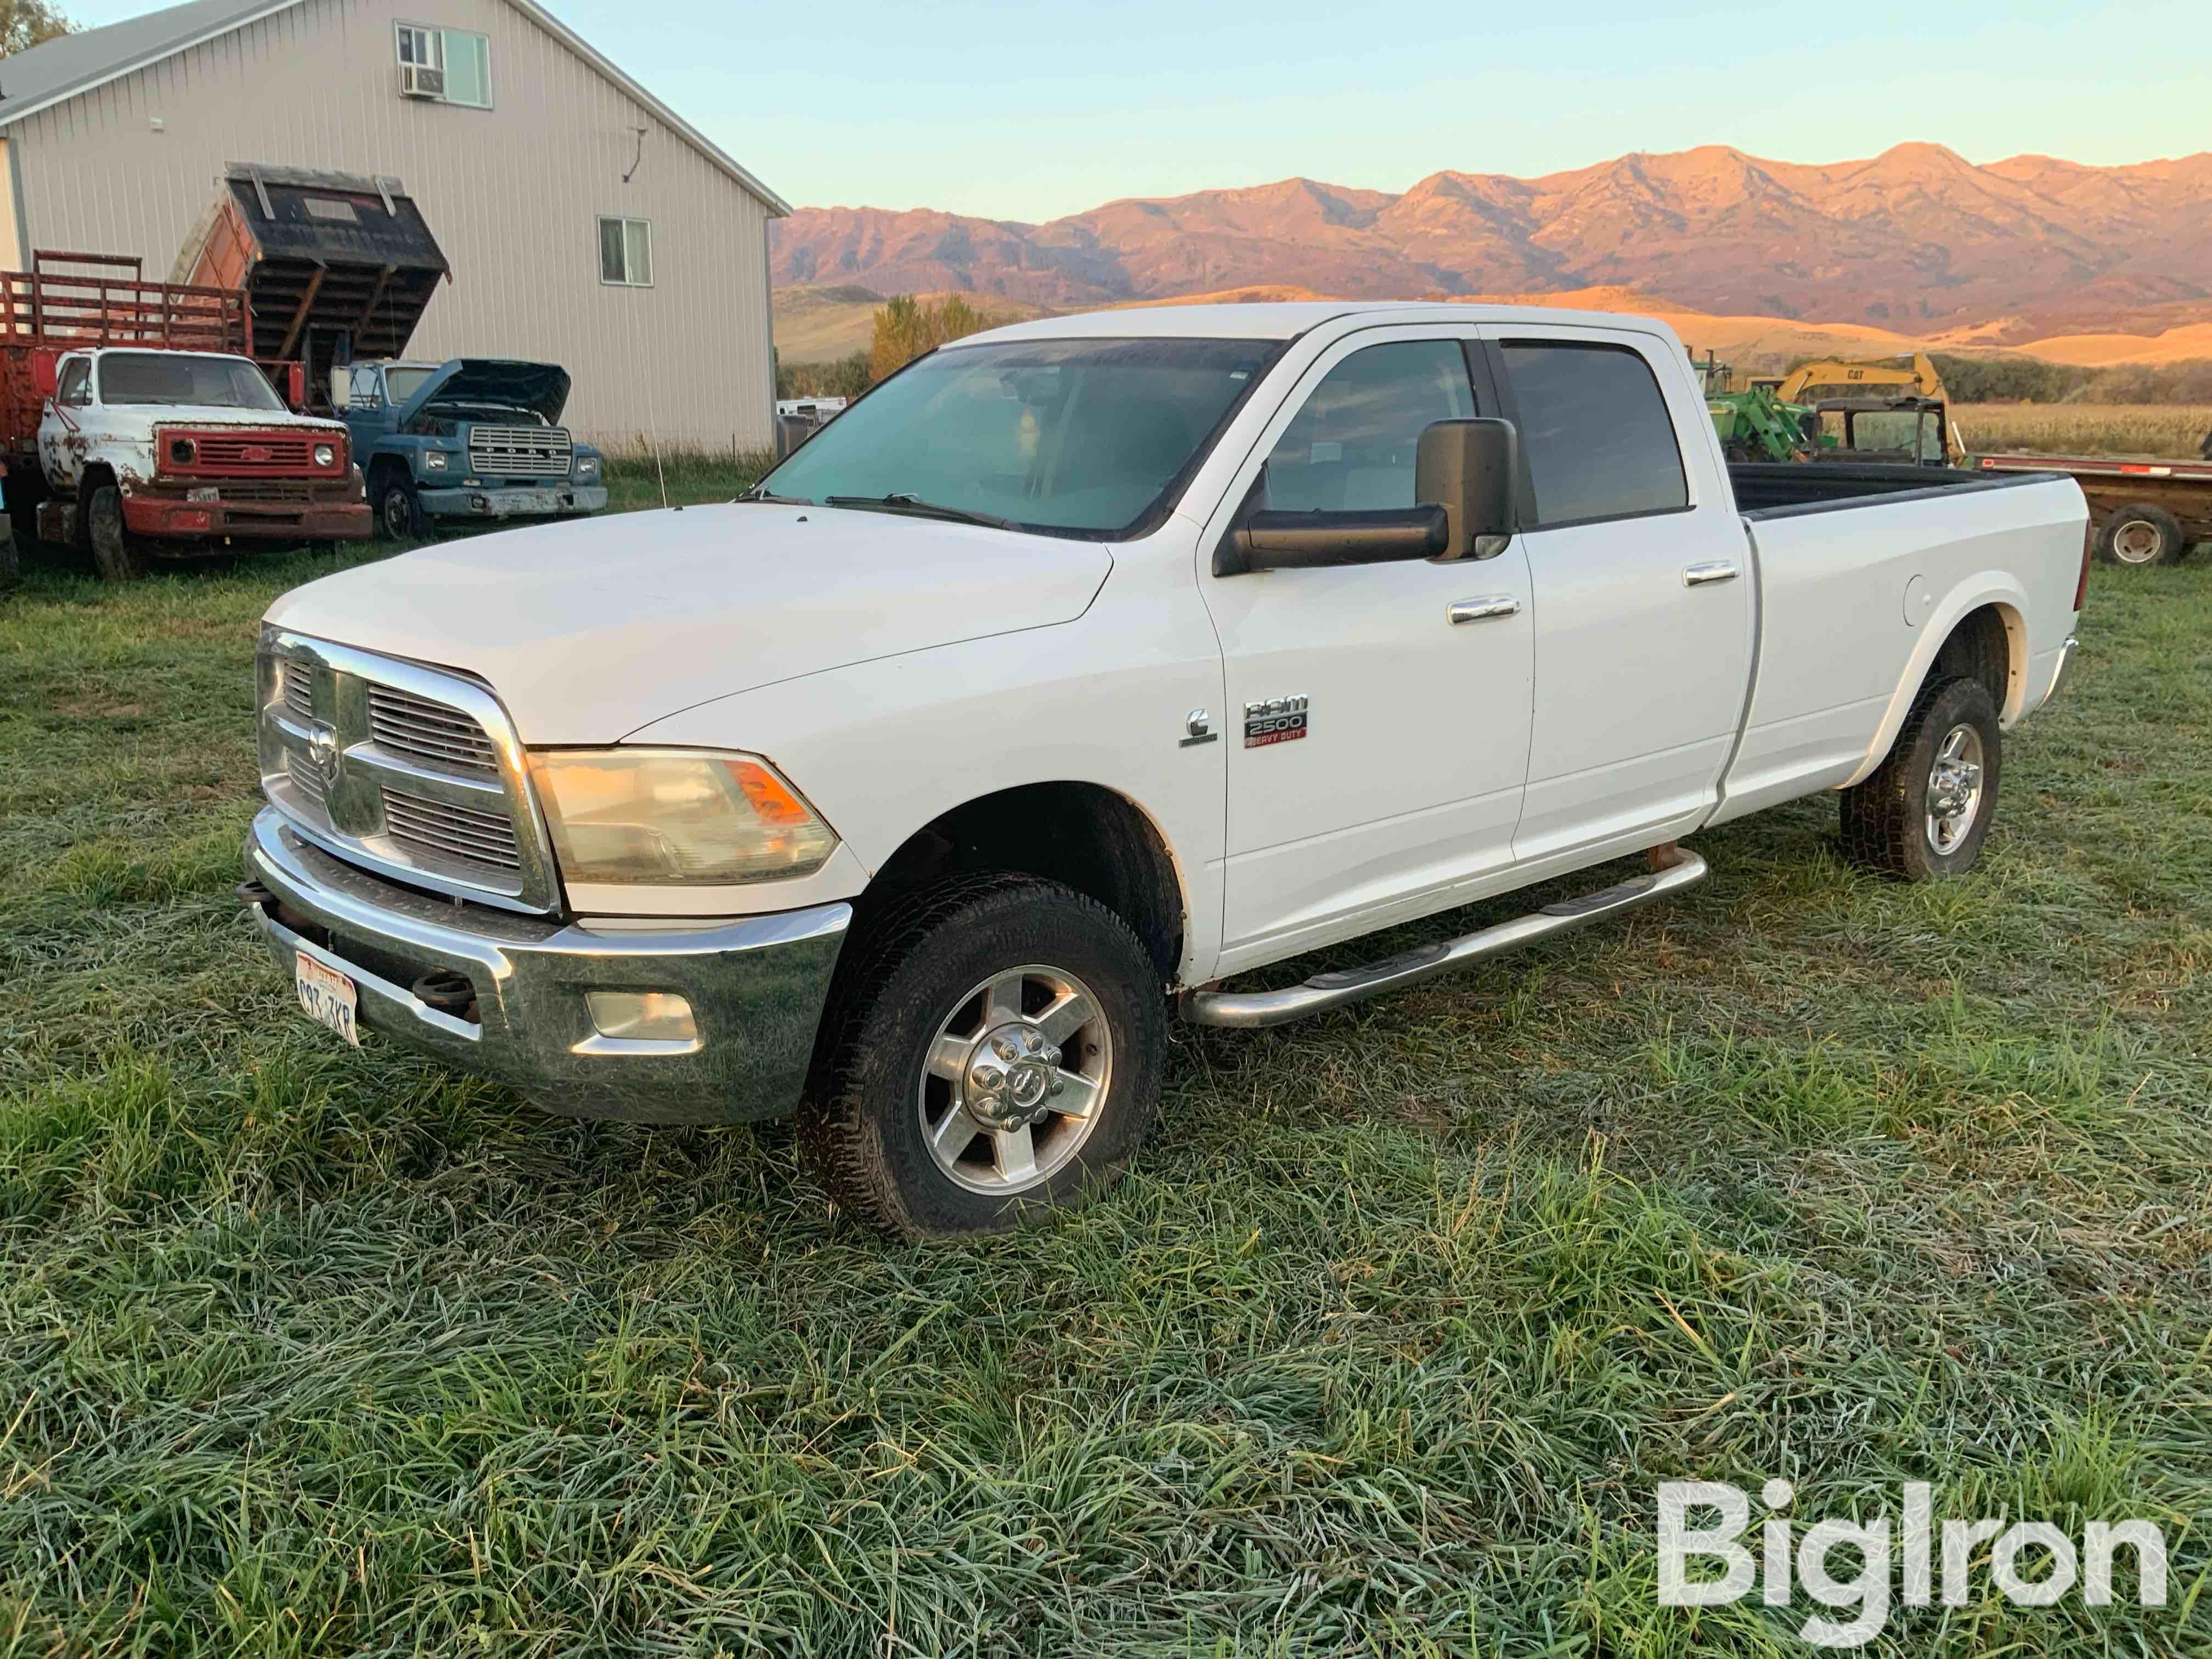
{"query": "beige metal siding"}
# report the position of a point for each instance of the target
(512, 193)
(11, 249)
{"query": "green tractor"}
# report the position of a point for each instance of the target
(1755, 424)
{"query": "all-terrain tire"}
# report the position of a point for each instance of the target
(917, 967)
(399, 514)
(2140, 534)
(1894, 821)
(116, 555)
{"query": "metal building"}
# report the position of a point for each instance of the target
(585, 221)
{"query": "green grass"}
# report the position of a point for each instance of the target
(1382, 1350)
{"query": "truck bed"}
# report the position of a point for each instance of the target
(1767, 491)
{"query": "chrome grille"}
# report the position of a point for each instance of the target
(519, 451)
(428, 731)
(310, 786)
(440, 830)
(411, 772)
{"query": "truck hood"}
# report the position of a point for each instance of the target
(207, 415)
(590, 629)
(543, 387)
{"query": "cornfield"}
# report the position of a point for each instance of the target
(2169, 429)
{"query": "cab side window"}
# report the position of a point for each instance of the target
(1594, 429)
(1352, 447)
(75, 390)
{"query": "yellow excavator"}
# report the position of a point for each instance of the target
(1912, 391)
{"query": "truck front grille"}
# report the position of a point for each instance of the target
(411, 772)
(442, 832)
(519, 451)
(248, 454)
(425, 731)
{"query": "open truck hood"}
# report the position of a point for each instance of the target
(543, 387)
(590, 629)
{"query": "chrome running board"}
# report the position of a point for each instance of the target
(1348, 985)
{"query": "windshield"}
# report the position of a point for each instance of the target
(1068, 437)
(176, 377)
(402, 384)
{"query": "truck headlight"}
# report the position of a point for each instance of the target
(325, 455)
(434, 460)
(587, 468)
(676, 817)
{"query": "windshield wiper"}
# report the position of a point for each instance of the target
(903, 501)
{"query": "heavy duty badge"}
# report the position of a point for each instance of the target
(1277, 719)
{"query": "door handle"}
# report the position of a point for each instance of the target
(1485, 609)
(1720, 570)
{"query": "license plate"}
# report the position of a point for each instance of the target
(327, 996)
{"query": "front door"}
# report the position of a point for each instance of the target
(1376, 745)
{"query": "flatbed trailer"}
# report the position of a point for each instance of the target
(2144, 509)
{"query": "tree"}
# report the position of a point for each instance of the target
(906, 327)
(27, 23)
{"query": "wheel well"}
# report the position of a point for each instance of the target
(1980, 647)
(97, 476)
(1082, 835)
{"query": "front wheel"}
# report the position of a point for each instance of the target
(1924, 812)
(400, 515)
(116, 553)
(998, 1044)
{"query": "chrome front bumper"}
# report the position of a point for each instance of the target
(756, 987)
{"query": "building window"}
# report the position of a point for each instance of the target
(626, 252)
(462, 58)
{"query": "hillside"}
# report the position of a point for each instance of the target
(1916, 241)
(817, 323)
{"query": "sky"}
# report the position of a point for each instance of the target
(1028, 111)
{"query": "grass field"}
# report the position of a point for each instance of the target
(2176, 430)
(1382, 1350)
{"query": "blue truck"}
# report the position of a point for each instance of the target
(474, 440)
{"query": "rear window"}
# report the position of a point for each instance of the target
(1594, 429)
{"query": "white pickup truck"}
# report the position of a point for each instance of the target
(1083, 665)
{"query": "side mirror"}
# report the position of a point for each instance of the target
(341, 389)
(296, 386)
(1473, 468)
(45, 370)
(1270, 540)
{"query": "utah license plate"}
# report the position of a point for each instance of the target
(328, 996)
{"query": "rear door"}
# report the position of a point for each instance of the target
(1642, 587)
(1376, 746)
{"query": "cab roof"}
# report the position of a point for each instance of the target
(1286, 321)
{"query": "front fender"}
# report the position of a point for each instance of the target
(1985, 588)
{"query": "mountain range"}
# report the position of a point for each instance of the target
(1916, 238)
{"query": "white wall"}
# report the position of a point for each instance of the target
(512, 193)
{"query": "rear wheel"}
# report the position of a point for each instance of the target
(2140, 534)
(1924, 812)
(996, 1044)
(117, 554)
